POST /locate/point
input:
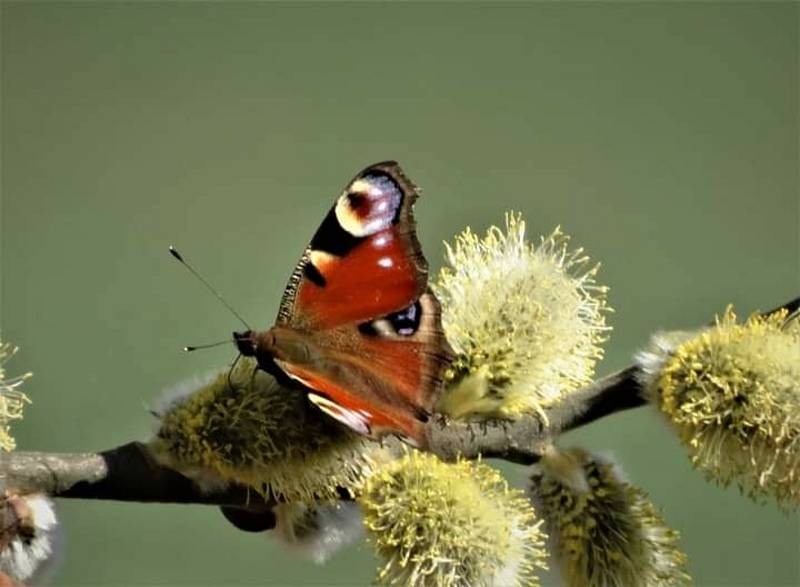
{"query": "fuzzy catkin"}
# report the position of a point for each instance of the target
(732, 392)
(262, 435)
(440, 524)
(527, 322)
(30, 544)
(604, 532)
(319, 531)
(12, 400)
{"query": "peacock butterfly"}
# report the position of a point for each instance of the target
(358, 327)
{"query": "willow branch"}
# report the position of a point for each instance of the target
(128, 472)
(522, 440)
(124, 473)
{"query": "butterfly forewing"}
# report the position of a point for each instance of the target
(364, 261)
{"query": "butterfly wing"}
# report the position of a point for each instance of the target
(380, 377)
(356, 324)
(364, 261)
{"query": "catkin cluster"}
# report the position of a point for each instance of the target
(732, 392)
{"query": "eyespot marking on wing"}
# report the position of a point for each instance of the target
(406, 322)
(358, 420)
(369, 205)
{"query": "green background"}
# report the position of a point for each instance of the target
(663, 137)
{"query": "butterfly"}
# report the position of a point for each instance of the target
(358, 328)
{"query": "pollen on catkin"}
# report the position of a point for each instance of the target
(603, 531)
(527, 322)
(12, 400)
(732, 392)
(263, 435)
(441, 524)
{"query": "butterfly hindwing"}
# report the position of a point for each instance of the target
(382, 376)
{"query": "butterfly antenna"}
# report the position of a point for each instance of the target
(189, 349)
(194, 272)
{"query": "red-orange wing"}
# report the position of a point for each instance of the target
(383, 377)
(364, 260)
(356, 324)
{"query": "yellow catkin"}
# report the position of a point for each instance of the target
(603, 531)
(732, 391)
(12, 400)
(263, 435)
(440, 524)
(527, 322)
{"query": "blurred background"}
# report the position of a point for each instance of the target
(662, 137)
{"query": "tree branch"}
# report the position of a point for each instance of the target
(521, 440)
(125, 473)
(128, 472)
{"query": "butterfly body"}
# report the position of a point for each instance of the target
(357, 326)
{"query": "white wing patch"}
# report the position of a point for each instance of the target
(285, 368)
(358, 420)
(321, 259)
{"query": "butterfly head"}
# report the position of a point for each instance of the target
(277, 343)
(246, 342)
(265, 349)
